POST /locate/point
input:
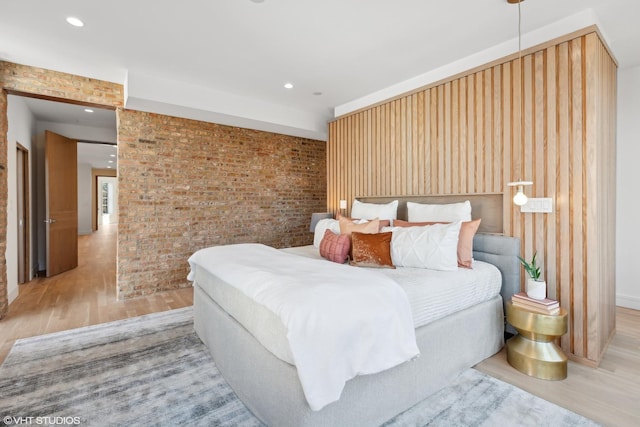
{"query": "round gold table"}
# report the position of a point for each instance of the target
(533, 351)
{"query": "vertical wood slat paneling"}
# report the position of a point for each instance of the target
(549, 118)
(551, 163)
(577, 198)
(479, 131)
(471, 134)
(526, 147)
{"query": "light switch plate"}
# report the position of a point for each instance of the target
(538, 205)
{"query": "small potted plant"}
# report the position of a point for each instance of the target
(536, 288)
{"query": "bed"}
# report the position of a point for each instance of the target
(266, 380)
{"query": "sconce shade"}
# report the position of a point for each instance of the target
(315, 217)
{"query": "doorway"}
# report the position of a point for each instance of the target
(107, 200)
(104, 198)
(95, 127)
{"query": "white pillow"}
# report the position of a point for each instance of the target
(321, 226)
(431, 246)
(362, 210)
(420, 212)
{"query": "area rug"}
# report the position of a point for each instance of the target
(154, 370)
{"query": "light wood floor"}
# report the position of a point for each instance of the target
(609, 394)
(86, 295)
(83, 296)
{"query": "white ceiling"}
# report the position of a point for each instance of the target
(99, 156)
(48, 111)
(227, 60)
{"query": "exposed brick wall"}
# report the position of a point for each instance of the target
(185, 185)
(4, 298)
(53, 84)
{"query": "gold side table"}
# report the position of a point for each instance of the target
(533, 351)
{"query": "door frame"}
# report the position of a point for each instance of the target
(23, 197)
(95, 173)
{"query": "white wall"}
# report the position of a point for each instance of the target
(628, 177)
(22, 128)
(84, 199)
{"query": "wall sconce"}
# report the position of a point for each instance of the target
(520, 198)
(315, 217)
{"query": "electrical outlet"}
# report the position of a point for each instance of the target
(538, 205)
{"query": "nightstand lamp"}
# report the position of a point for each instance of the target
(315, 217)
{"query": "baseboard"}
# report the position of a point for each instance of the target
(12, 294)
(628, 301)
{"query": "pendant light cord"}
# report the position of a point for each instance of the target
(520, 86)
(519, 32)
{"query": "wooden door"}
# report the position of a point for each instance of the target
(61, 189)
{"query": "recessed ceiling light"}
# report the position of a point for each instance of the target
(112, 155)
(88, 110)
(75, 21)
(110, 161)
(288, 86)
(317, 93)
(257, 1)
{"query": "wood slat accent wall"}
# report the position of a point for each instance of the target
(468, 135)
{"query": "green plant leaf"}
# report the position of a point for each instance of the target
(531, 268)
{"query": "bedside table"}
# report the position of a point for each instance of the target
(533, 351)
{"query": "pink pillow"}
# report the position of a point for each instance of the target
(468, 229)
(335, 247)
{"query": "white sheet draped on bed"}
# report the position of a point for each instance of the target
(341, 321)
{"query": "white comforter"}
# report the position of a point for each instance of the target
(342, 321)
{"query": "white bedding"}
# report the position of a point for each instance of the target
(341, 321)
(435, 294)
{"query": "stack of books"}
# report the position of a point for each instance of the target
(542, 306)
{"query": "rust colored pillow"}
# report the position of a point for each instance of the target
(335, 247)
(468, 229)
(371, 250)
(347, 226)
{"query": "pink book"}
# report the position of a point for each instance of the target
(546, 302)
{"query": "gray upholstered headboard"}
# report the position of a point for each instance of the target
(488, 206)
(502, 252)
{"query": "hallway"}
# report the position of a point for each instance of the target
(80, 297)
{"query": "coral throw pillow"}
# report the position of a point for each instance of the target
(335, 247)
(371, 250)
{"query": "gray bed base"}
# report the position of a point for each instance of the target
(270, 387)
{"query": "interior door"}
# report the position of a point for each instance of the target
(61, 193)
